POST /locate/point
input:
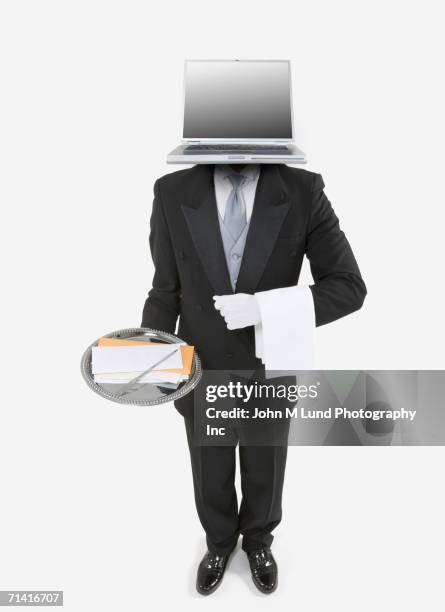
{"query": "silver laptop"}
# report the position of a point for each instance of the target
(237, 111)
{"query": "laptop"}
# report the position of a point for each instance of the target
(237, 111)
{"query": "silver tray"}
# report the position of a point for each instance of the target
(148, 394)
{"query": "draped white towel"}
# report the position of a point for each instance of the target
(285, 338)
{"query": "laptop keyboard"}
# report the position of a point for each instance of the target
(237, 148)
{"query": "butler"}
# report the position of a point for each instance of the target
(219, 231)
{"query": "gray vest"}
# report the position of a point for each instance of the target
(233, 250)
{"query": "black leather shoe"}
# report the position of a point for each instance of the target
(264, 570)
(210, 572)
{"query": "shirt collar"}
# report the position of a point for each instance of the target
(250, 171)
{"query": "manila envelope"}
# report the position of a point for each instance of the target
(186, 352)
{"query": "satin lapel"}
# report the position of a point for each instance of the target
(269, 211)
(201, 215)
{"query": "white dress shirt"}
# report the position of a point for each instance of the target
(285, 336)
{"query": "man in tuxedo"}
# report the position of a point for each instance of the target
(224, 230)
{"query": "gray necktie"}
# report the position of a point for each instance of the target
(235, 218)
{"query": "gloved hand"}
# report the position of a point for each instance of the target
(239, 309)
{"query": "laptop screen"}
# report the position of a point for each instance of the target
(237, 99)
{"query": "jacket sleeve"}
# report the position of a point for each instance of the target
(338, 287)
(161, 307)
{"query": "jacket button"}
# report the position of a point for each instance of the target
(199, 307)
(293, 253)
(229, 355)
(181, 255)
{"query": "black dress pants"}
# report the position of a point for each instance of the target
(262, 470)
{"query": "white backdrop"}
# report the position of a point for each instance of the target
(96, 499)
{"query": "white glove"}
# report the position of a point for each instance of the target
(239, 309)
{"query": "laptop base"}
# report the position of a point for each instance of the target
(226, 154)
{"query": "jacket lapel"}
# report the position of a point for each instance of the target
(201, 214)
(270, 209)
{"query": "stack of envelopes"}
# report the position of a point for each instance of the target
(119, 361)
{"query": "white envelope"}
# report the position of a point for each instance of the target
(107, 359)
(153, 377)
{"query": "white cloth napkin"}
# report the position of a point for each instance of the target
(285, 338)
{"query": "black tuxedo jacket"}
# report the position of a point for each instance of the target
(291, 217)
